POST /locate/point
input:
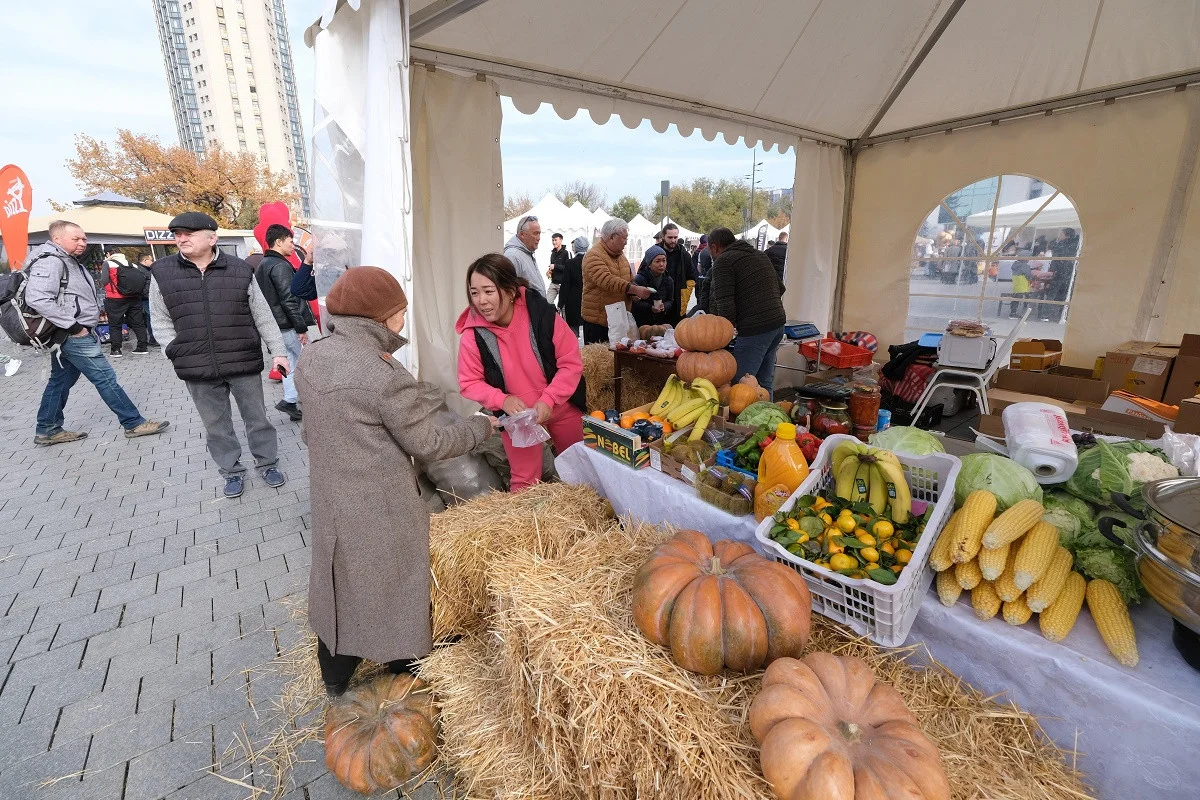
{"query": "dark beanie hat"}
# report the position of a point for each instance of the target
(368, 292)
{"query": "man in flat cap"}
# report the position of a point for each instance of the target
(211, 318)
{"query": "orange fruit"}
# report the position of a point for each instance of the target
(656, 420)
(667, 427)
(597, 414)
(627, 422)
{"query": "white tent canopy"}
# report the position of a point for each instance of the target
(1059, 212)
(751, 233)
(554, 217)
(684, 233)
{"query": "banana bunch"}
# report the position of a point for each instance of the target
(687, 404)
(867, 474)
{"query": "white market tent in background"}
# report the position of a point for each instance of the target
(554, 217)
(641, 237)
(751, 233)
(1058, 213)
(684, 233)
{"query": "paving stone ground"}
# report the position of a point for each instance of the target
(133, 597)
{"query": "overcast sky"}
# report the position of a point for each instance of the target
(82, 66)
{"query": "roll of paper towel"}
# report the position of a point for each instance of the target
(1039, 439)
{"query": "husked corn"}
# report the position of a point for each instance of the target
(948, 588)
(939, 556)
(1112, 620)
(968, 574)
(1016, 612)
(1057, 620)
(1009, 526)
(1006, 587)
(975, 515)
(1034, 554)
(985, 601)
(1045, 589)
(993, 562)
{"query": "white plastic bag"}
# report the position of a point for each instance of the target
(1183, 450)
(524, 430)
(621, 323)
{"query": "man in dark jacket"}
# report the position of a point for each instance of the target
(274, 275)
(778, 255)
(703, 274)
(680, 268)
(212, 319)
(145, 261)
(655, 309)
(570, 292)
(747, 292)
(559, 256)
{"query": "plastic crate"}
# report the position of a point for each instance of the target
(725, 459)
(850, 356)
(884, 614)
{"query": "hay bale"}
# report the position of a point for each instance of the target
(598, 375)
(465, 540)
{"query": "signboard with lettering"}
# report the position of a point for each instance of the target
(159, 236)
(762, 237)
(616, 442)
(16, 198)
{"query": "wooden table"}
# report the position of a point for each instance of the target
(651, 367)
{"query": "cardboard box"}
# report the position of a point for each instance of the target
(1185, 375)
(662, 462)
(1035, 354)
(1141, 368)
(1140, 407)
(1188, 418)
(1068, 392)
(1094, 421)
(614, 441)
(1077, 372)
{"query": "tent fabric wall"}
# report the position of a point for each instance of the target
(811, 269)
(459, 192)
(1117, 164)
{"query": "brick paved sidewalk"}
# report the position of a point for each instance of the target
(133, 596)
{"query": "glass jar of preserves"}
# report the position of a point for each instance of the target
(864, 410)
(832, 418)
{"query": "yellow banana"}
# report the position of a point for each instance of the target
(689, 413)
(877, 494)
(703, 420)
(844, 478)
(897, 490)
(685, 408)
(885, 455)
(844, 451)
(668, 395)
(676, 399)
(862, 480)
(705, 387)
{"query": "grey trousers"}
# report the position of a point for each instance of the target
(212, 402)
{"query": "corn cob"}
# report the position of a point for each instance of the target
(1009, 526)
(993, 562)
(968, 574)
(1016, 612)
(1034, 554)
(985, 601)
(1058, 619)
(1112, 620)
(975, 515)
(948, 588)
(939, 557)
(1046, 589)
(1006, 587)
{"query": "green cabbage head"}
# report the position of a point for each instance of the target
(1003, 477)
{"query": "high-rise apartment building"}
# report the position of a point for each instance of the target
(229, 66)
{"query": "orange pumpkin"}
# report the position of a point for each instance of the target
(719, 367)
(760, 394)
(722, 605)
(828, 730)
(740, 396)
(704, 333)
(723, 393)
(379, 735)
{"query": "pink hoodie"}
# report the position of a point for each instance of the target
(522, 375)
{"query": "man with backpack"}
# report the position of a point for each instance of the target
(63, 293)
(124, 286)
(274, 274)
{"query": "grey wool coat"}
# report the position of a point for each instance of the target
(364, 418)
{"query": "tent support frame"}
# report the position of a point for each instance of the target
(849, 168)
(437, 14)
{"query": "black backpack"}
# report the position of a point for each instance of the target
(21, 323)
(131, 281)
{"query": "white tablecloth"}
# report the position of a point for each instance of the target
(1137, 730)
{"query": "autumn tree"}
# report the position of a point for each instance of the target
(172, 179)
(591, 195)
(627, 207)
(706, 204)
(517, 204)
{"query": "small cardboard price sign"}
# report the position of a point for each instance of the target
(616, 442)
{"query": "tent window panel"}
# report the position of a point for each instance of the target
(991, 250)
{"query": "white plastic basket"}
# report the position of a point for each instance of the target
(884, 614)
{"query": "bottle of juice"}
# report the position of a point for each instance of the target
(782, 463)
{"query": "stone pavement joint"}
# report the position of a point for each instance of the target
(133, 596)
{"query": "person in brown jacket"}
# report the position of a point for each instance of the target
(607, 279)
(364, 422)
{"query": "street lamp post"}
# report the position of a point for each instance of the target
(754, 181)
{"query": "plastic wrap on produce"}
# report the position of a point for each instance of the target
(1183, 450)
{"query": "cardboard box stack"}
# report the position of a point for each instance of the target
(1141, 368)
(1080, 397)
(1185, 375)
(1035, 354)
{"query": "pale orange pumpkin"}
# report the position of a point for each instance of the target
(720, 605)
(829, 731)
(719, 367)
(741, 395)
(760, 394)
(723, 394)
(380, 735)
(704, 333)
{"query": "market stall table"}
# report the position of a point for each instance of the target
(652, 368)
(1134, 729)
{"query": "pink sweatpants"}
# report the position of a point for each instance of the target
(565, 428)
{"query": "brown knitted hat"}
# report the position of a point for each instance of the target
(366, 292)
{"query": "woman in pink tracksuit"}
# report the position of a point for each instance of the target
(516, 353)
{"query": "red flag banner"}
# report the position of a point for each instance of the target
(16, 198)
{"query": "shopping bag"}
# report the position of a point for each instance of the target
(621, 324)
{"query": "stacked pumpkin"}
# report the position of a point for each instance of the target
(704, 338)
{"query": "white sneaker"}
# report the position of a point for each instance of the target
(11, 367)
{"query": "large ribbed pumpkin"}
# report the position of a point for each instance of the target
(379, 735)
(719, 367)
(704, 333)
(829, 732)
(720, 605)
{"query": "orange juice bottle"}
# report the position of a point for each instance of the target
(782, 463)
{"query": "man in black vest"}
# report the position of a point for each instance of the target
(211, 318)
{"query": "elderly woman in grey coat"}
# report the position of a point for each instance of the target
(364, 422)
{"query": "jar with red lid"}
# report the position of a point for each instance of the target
(832, 418)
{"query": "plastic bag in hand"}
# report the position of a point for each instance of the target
(524, 430)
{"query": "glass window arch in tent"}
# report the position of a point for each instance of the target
(992, 249)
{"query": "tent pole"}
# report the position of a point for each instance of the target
(849, 169)
(437, 14)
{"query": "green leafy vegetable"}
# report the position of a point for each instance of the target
(908, 440)
(763, 413)
(1111, 564)
(1104, 469)
(1001, 476)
